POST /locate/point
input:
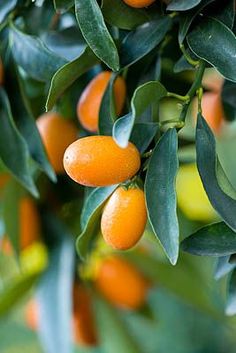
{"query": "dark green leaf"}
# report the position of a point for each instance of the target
(15, 291)
(182, 5)
(5, 7)
(231, 298)
(145, 95)
(223, 267)
(107, 112)
(216, 239)
(68, 43)
(182, 65)
(95, 32)
(63, 5)
(27, 127)
(54, 292)
(182, 280)
(187, 18)
(122, 15)
(68, 74)
(113, 336)
(31, 54)
(90, 217)
(141, 41)
(160, 193)
(15, 155)
(212, 41)
(224, 12)
(218, 188)
(143, 134)
(228, 95)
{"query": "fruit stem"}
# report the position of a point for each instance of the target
(196, 86)
(188, 57)
(199, 95)
(178, 96)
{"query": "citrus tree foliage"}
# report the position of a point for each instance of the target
(50, 51)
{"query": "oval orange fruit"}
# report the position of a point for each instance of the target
(99, 161)
(121, 283)
(212, 110)
(90, 101)
(31, 315)
(29, 223)
(124, 218)
(57, 134)
(84, 330)
(139, 3)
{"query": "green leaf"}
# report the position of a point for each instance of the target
(223, 267)
(27, 127)
(31, 54)
(216, 239)
(145, 95)
(112, 333)
(231, 297)
(203, 39)
(5, 7)
(68, 74)
(160, 193)
(17, 288)
(107, 112)
(95, 32)
(90, 218)
(63, 5)
(67, 43)
(122, 15)
(187, 18)
(143, 134)
(143, 39)
(182, 5)
(13, 149)
(54, 292)
(218, 188)
(223, 12)
(182, 280)
(228, 95)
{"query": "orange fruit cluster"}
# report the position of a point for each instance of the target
(90, 101)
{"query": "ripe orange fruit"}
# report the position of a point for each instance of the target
(31, 315)
(90, 101)
(1, 72)
(57, 134)
(99, 161)
(124, 218)
(212, 110)
(139, 3)
(29, 226)
(121, 283)
(29, 222)
(84, 330)
(3, 180)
